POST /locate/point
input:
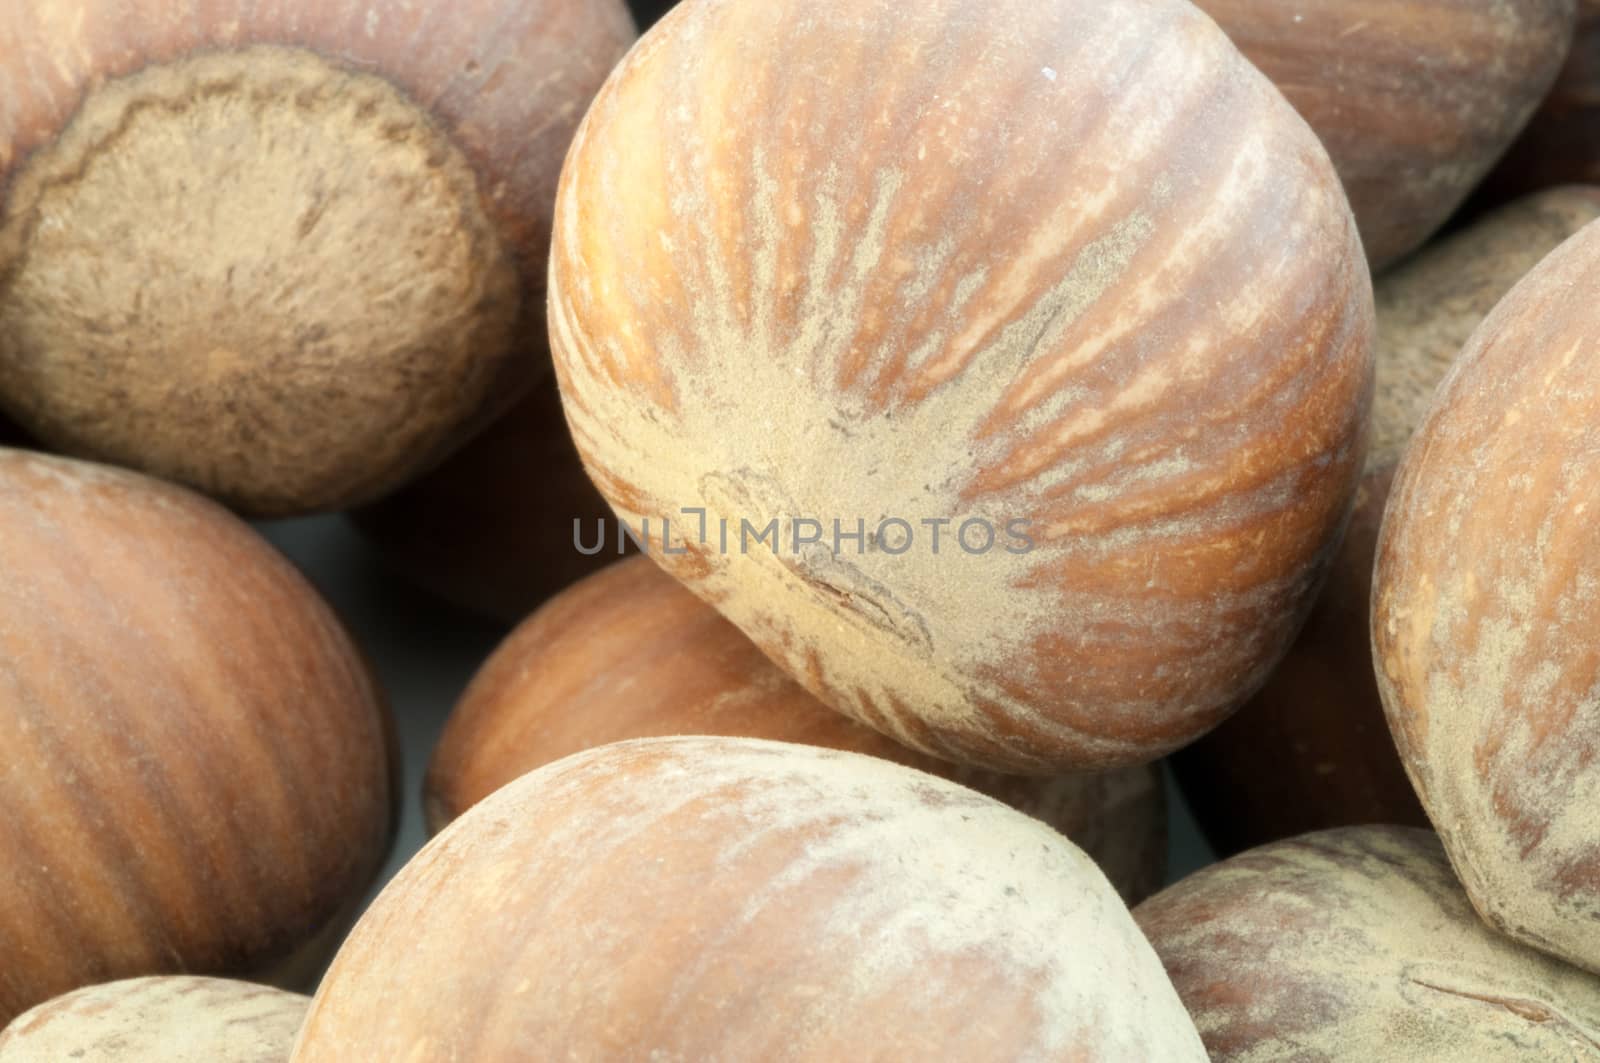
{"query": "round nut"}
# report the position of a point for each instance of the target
(199, 768)
(288, 254)
(1358, 944)
(1415, 100)
(631, 653)
(1070, 278)
(722, 898)
(1486, 597)
(475, 534)
(1312, 750)
(161, 1019)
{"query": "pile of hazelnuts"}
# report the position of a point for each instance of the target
(902, 433)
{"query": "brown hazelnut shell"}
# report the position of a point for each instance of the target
(631, 653)
(726, 898)
(1415, 100)
(200, 768)
(290, 253)
(159, 1019)
(1076, 265)
(1312, 750)
(490, 531)
(1359, 944)
(1486, 598)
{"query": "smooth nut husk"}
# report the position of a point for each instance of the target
(288, 254)
(1486, 597)
(1072, 267)
(199, 767)
(631, 653)
(717, 898)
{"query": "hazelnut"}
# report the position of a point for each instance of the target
(491, 530)
(1562, 142)
(732, 899)
(1486, 598)
(1312, 750)
(1069, 284)
(630, 653)
(160, 1019)
(289, 254)
(1415, 100)
(198, 773)
(1358, 944)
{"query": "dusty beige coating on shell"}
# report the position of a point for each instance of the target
(1486, 599)
(197, 770)
(1073, 264)
(1358, 944)
(629, 652)
(721, 899)
(1415, 99)
(164, 1019)
(283, 252)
